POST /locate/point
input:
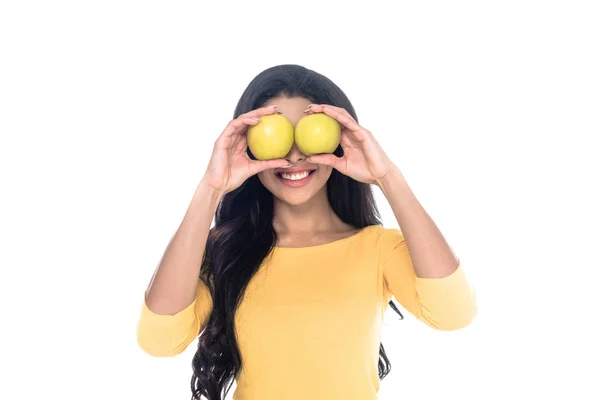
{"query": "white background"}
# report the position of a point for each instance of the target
(108, 114)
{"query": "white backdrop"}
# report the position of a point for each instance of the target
(108, 114)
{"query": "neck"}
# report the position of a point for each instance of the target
(314, 216)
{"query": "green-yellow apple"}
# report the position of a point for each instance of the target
(317, 134)
(271, 138)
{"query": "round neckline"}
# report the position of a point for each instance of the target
(325, 245)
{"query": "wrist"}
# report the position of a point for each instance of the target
(392, 183)
(206, 191)
(390, 179)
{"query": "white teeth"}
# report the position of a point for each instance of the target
(296, 176)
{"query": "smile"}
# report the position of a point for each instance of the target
(295, 179)
(296, 176)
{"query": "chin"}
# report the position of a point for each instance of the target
(296, 186)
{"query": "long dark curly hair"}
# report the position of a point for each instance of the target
(243, 234)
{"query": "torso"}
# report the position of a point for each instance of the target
(310, 319)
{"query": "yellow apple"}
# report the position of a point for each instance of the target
(272, 137)
(317, 134)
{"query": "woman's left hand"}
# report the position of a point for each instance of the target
(364, 160)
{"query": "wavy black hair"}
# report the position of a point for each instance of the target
(243, 234)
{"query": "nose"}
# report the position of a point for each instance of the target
(295, 155)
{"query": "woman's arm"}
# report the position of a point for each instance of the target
(177, 303)
(174, 283)
(431, 255)
(445, 303)
(420, 269)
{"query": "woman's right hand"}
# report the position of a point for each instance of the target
(229, 164)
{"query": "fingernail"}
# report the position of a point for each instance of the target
(255, 118)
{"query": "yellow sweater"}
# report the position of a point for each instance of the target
(309, 325)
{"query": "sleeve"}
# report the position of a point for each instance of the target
(447, 303)
(165, 335)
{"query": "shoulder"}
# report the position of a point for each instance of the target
(384, 239)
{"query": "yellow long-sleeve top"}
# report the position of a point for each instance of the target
(309, 325)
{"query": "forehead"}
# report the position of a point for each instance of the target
(290, 107)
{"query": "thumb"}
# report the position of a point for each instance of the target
(262, 165)
(327, 159)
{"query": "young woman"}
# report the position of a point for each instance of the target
(288, 290)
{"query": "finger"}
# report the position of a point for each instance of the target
(257, 166)
(260, 112)
(238, 126)
(321, 108)
(344, 118)
(331, 160)
(240, 143)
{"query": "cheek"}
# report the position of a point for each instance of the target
(264, 178)
(324, 174)
(269, 181)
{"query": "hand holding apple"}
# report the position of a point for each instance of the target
(229, 164)
(364, 159)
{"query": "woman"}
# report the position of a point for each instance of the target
(295, 279)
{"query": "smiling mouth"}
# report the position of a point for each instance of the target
(295, 176)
